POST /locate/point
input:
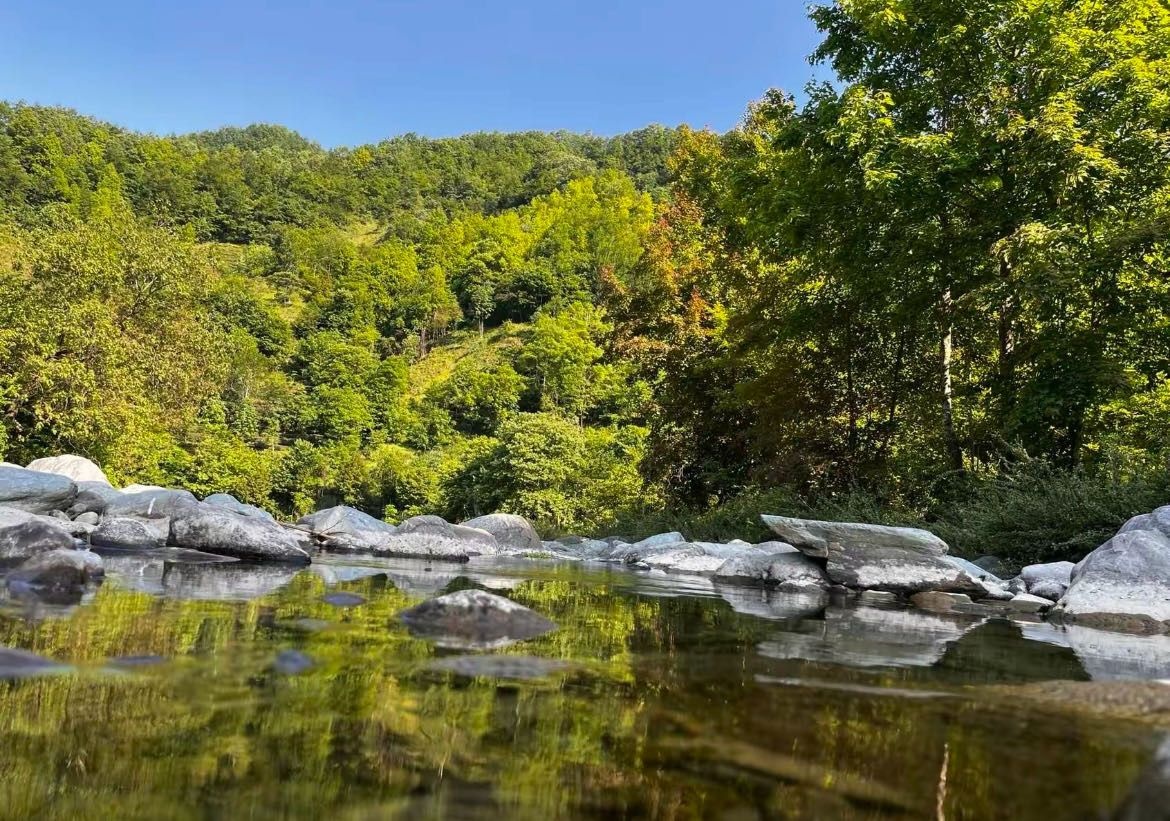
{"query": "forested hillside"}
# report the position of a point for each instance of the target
(936, 291)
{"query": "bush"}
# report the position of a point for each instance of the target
(1039, 513)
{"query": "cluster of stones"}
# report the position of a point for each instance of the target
(1124, 584)
(59, 515)
(53, 512)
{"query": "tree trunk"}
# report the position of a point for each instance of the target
(1006, 366)
(946, 350)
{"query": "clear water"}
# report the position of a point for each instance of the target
(217, 691)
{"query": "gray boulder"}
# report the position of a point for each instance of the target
(510, 530)
(23, 535)
(814, 538)
(430, 537)
(1124, 583)
(346, 529)
(35, 492)
(78, 530)
(226, 500)
(88, 518)
(93, 497)
(131, 532)
(790, 571)
(1027, 603)
(1048, 580)
(56, 571)
(77, 468)
(686, 558)
(212, 529)
(151, 504)
(660, 540)
(897, 559)
(474, 619)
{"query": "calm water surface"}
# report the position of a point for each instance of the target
(216, 691)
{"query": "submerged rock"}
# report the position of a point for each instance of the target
(56, 571)
(1149, 798)
(215, 530)
(23, 535)
(341, 598)
(35, 492)
(77, 468)
(509, 530)
(23, 664)
(505, 667)
(200, 580)
(474, 619)
(292, 663)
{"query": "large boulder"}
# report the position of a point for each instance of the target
(226, 500)
(1124, 583)
(346, 529)
(789, 570)
(815, 538)
(898, 559)
(93, 497)
(215, 530)
(35, 492)
(77, 468)
(131, 532)
(510, 530)
(430, 537)
(1048, 580)
(151, 504)
(474, 619)
(23, 535)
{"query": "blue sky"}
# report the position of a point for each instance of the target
(347, 72)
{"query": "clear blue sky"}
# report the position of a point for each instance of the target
(348, 72)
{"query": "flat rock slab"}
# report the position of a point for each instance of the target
(474, 619)
(896, 569)
(35, 492)
(57, 571)
(815, 538)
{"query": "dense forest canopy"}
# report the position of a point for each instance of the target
(936, 291)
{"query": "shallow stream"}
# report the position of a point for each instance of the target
(195, 691)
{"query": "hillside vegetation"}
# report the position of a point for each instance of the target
(936, 292)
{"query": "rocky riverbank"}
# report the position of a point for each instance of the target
(59, 516)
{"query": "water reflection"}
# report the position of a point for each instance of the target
(871, 637)
(257, 698)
